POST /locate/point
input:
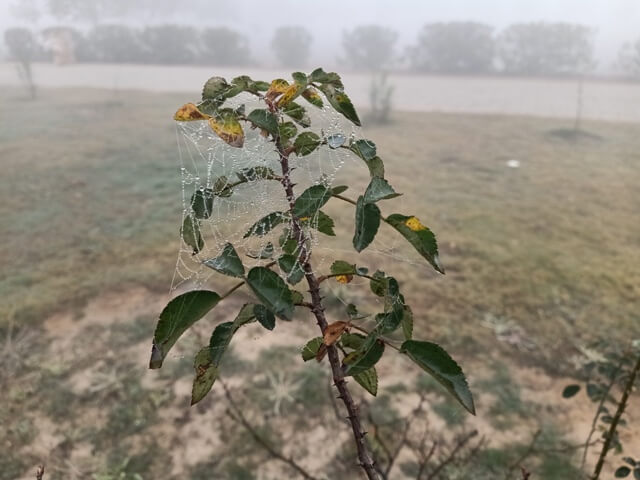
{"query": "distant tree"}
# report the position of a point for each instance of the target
(23, 48)
(170, 44)
(369, 47)
(629, 59)
(223, 46)
(116, 44)
(543, 48)
(292, 46)
(454, 47)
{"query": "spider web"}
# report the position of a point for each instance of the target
(205, 158)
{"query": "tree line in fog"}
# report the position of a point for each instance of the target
(534, 48)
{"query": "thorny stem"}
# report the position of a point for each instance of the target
(594, 422)
(616, 419)
(364, 456)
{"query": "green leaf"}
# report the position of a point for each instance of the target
(298, 114)
(365, 357)
(366, 225)
(287, 131)
(206, 375)
(368, 380)
(570, 390)
(289, 264)
(305, 143)
(272, 291)
(379, 189)
(365, 149)
(266, 224)
(311, 200)
(221, 187)
(433, 359)
(227, 263)
(202, 203)
(310, 350)
(225, 124)
(332, 78)
(255, 173)
(207, 361)
(191, 233)
(339, 189)
(297, 297)
(340, 101)
(176, 317)
(340, 267)
(312, 96)
(407, 323)
(622, 472)
(223, 333)
(215, 90)
(422, 239)
(388, 322)
(264, 317)
(378, 283)
(323, 223)
(265, 120)
(376, 167)
(353, 341)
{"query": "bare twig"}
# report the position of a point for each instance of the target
(462, 441)
(616, 419)
(530, 449)
(594, 422)
(237, 415)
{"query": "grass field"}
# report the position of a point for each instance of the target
(90, 208)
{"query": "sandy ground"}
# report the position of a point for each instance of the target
(602, 100)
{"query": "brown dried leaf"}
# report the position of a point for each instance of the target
(322, 351)
(333, 332)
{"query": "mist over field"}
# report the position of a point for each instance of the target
(509, 129)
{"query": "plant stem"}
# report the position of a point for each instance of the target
(616, 419)
(594, 422)
(364, 456)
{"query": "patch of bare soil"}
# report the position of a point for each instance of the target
(86, 345)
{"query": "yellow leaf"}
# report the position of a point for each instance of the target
(289, 94)
(189, 113)
(414, 224)
(277, 88)
(344, 278)
(226, 125)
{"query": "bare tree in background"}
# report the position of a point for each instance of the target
(629, 59)
(23, 48)
(369, 47)
(454, 47)
(223, 46)
(544, 48)
(292, 46)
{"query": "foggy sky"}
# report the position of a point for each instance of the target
(616, 21)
